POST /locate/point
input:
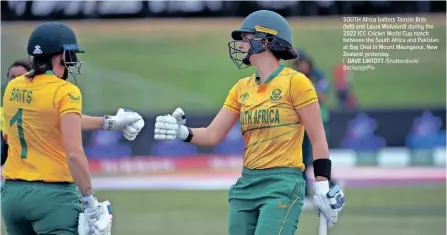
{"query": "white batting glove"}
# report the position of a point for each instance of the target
(169, 127)
(327, 201)
(83, 226)
(180, 116)
(97, 217)
(104, 225)
(126, 121)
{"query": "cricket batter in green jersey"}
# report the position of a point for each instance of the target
(274, 105)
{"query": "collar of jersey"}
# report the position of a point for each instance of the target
(270, 78)
(48, 72)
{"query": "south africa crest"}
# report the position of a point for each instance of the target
(276, 95)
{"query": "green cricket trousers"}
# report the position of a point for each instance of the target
(266, 202)
(41, 208)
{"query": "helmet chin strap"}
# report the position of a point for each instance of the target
(65, 76)
(246, 60)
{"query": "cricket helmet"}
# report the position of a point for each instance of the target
(53, 38)
(267, 25)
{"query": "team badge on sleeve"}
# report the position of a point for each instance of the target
(74, 98)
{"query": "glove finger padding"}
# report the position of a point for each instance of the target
(129, 136)
(104, 224)
(165, 132)
(134, 117)
(329, 203)
(180, 116)
(133, 128)
(131, 131)
(166, 128)
(166, 125)
(166, 119)
(83, 225)
(138, 125)
(321, 205)
(164, 137)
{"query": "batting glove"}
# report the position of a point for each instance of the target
(169, 127)
(83, 226)
(97, 217)
(126, 121)
(328, 202)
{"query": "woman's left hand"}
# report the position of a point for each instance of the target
(328, 201)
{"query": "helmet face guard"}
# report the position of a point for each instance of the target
(70, 60)
(261, 35)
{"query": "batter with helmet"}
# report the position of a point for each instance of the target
(274, 105)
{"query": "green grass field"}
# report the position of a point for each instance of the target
(157, 65)
(369, 211)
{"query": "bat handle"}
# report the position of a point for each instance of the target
(322, 228)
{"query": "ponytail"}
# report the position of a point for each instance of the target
(40, 64)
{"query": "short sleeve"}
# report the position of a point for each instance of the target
(231, 103)
(68, 99)
(302, 91)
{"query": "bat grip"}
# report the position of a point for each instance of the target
(322, 228)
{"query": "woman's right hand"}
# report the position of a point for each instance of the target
(169, 127)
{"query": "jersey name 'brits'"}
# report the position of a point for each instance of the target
(32, 112)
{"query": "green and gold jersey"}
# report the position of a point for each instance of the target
(271, 127)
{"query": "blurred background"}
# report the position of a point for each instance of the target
(386, 128)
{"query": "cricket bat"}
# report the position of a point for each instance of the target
(322, 228)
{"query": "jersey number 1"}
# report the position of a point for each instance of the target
(18, 117)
